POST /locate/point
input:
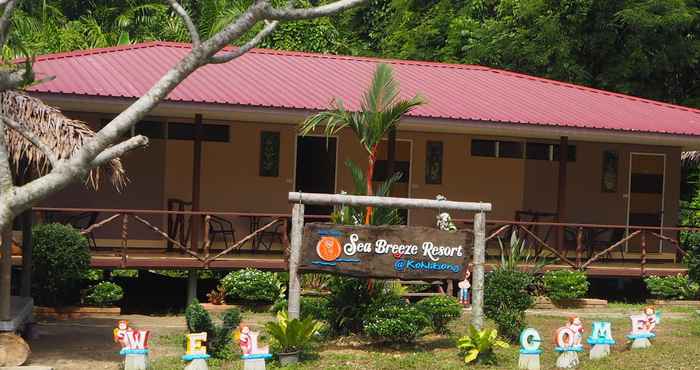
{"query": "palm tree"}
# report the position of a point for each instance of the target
(381, 110)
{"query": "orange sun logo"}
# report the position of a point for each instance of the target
(328, 248)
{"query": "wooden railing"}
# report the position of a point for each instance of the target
(585, 240)
(180, 237)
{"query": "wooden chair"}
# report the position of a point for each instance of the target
(267, 238)
(223, 228)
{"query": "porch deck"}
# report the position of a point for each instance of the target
(154, 259)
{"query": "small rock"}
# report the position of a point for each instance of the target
(567, 360)
(135, 362)
(640, 343)
(197, 364)
(599, 351)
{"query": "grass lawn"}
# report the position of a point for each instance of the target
(677, 347)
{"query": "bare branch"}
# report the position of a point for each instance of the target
(120, 149)
(5, 19)
(11, 80)
(32, 138)
(227, 57)
(182, 12)
(290, 14)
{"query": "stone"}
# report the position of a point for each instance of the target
(14, 351)
(197, 364)
(567, 360)
(254, 364)
(529, 361)
(135, 361)
(599, 351)
(640, 343)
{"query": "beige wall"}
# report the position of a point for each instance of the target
(231, 182)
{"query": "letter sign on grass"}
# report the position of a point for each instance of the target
(399, 252)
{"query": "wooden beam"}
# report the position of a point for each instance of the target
(196, 180)
(561, 189)
(294, 305)
(478, 270)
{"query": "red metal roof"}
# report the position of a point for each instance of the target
(279, 79)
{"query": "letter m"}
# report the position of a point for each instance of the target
(601, 330)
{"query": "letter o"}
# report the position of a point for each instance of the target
(565, 337)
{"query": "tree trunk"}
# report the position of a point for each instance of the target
(368, 179)
(14, 351)
(6, 274)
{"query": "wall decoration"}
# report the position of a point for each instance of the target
(397, 252)
(134, 345)
(643, 327)
(269, 153)
(568, 343)
(601, 339)
(253, 356)
(530, 351)
(609, 176)
(433, 163)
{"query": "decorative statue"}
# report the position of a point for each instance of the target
(643, 327)
(568, 342)
(530, 351)
(601, 339)
(464, 286)
(253, 356)
(196, 354)
(134, 345)
(444, 220)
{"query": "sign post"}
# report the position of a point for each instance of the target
(385, 251)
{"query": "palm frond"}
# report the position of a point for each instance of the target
(63, 135)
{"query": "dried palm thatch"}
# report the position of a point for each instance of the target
(690, 159)
(64, 136)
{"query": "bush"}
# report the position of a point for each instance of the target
(565, 284)
(672, 287)
(440, 310)
(347, 304)
(394, 323)
(506, 298)
(218, 337)
(478, 346)
(315, 307)
(252, 285)
(104, 294)
(61, 261)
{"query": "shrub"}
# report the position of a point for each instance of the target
(61, 261)
(672, 287)
(347, 304)
(478, 345)
(565, 284)
(394, 322)
(506, 298)
(252, 285)
(104, 294)
(293, 335)
(440, 310)
(218, 337)
(315, 307)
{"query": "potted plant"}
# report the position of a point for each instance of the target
(292, 336)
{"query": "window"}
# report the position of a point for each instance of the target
(510, 149)
(483, 148)
(150, 129)
(538, 151)
(185, 131)
(571, 157)
(269, 154)
(380, 170)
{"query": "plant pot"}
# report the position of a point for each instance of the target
(289, 358)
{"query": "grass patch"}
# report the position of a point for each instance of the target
(676, 347)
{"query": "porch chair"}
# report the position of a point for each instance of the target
(219, 226)
(267, 238)
(79, 221)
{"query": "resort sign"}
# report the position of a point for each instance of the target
(398, 252)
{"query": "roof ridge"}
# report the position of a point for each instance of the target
(594, 90)
(93, 51)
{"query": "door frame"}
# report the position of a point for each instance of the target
(663, 194)
(337, 152)
(410, 172)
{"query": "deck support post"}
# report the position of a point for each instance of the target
(6, 275)
(561, 190)
(191, 285)
(478, 270)
(26, 287)
(294, 258)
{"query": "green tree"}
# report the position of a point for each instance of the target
(380, 111)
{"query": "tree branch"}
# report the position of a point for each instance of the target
(182, 12)
(5, 170)
(32, 138)
(5, 19)
(120, 149)
(227, 57)
(290, 14)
